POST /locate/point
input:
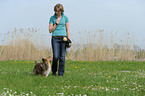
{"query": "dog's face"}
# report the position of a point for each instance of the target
(46, 61)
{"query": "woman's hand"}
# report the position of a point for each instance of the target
(52, 27)
(58, 20)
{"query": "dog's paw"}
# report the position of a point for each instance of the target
(46, 75)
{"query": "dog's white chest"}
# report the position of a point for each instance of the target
(48, 70)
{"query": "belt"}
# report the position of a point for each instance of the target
(57, 36)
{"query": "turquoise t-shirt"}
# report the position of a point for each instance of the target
(61, 28)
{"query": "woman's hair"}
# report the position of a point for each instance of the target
(59, 7)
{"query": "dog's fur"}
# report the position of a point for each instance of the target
(42, 68)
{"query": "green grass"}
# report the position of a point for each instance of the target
(82, 78)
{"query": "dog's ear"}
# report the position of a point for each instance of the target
(49, 58)
(43, 59)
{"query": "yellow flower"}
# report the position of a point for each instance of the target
(109, 76)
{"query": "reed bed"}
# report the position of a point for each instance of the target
(28, 44)
(32, 44)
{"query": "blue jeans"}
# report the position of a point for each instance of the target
(59, 51)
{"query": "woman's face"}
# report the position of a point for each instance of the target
(58, 12)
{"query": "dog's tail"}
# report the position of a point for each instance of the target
(36, 62)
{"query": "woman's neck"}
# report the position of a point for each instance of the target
(59, 16)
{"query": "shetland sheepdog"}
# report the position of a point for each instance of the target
(43, 68)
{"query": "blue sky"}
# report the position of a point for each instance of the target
(122, 16)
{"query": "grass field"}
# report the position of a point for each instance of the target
(82, 78)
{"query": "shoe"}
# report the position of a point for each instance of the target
(60, 74)
(54, 74)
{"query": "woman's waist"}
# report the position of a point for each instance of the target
(58, 36)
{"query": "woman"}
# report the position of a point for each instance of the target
(59, 27)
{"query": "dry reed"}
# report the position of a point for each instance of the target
(31, 44)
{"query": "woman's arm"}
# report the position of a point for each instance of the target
(67, 30)
(51, 27)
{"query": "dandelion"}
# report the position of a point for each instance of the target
(109, 76)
